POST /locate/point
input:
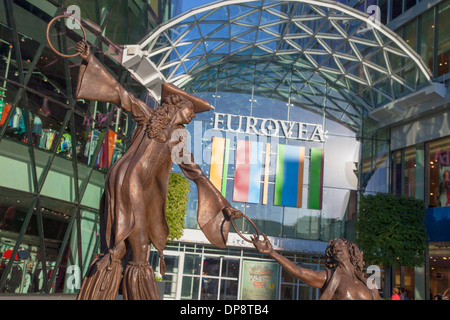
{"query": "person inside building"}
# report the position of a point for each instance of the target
(395, 294)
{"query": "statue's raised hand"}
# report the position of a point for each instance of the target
(83, 48)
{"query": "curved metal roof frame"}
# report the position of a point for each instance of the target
(297, 50)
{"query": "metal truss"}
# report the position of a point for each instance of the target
(300, 51)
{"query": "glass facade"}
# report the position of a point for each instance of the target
(55, 152)
(301, 222)
(418, 170)
(410, 167)
(427, 32)
(197, 272)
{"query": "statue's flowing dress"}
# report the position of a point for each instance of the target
(137, 184)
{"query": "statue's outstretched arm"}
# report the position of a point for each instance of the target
(97, 84)
(316, 279)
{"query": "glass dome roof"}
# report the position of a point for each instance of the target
(319, 55)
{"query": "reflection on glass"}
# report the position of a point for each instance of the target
(170, 286)
(101, 134)
(301, 223)
(190, 220)
(8, 69)
(90, 237)
(12, 118)
(439, 268)
(439, 173)
(397, 172)
(192, 264)
(410, 34)
(46, 118)
(60, 180)
(230, 268)
(396, 8)
(32, 266)
(426, 30)
(55, 220)
(210, 288)
(443, 45)
(305, 292)
(39, 139)
(211, 266)
(190, 288)
(268, 217)
(410, 172)
(228, 289)
(14, 206)
(287, 292)
(171, 263)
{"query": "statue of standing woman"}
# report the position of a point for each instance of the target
(133, 206)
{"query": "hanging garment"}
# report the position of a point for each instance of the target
(37, 126)
(5, 111)
(2, 105)
(37, 130)
(66, 143)
(91, 145)
(23, 254)
(8, 253)
(16, 119)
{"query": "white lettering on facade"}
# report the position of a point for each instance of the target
(269, 127)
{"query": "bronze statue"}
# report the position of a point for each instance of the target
(133, 205)
(343, 279)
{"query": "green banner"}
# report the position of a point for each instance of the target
(279, 176)
(316, 179)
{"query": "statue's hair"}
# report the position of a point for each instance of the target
(162, 116)
(356, 255)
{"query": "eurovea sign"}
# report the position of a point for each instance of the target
(268, 127)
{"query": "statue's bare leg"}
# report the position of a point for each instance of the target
(139, 281)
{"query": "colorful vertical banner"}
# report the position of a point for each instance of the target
(91, 146)
(105, 155)
(247, 181)
(289, 176)
(316, 179)
(218, 170)
(266, 174)
(112, 138)
(225, 167)
(5, 108)
(217, 156)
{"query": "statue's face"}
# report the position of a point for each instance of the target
(340, 251)
(185, 114)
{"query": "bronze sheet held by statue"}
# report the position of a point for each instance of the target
(133, 205)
